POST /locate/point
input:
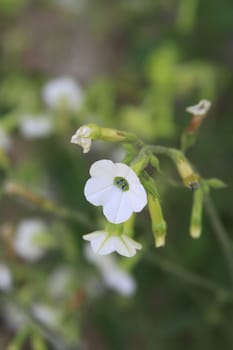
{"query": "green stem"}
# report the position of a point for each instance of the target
(48, 206)
(189, 277)
(220, 233)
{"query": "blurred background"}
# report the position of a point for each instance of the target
(133, 65)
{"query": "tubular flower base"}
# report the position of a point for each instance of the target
(103, 243)
(117, 188)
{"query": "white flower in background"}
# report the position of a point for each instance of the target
(25, 239)
(103, 243)
(35, 127)
(113, 276)
(45, 314)
(14, 317)
(82, 137)
(200, 109)
(61, 92)
(59, 281)
(5, 278)
(117, 188)
(5, 141)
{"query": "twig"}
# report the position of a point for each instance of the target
(189, 277)
(13, 189)
(220, 233)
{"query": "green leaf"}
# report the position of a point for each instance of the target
(155, 162)
(216, 183)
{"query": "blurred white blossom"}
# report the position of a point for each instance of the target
(35, 127)
(25, 243)
(199, 109)
(63, 92)
(45, 314)
(113, 276)
(14, 317)
(59, 281)
(5, 278)
(103, 243)
(117, 188)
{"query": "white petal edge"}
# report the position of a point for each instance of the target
(103, 168)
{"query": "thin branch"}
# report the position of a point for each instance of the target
(45, 204)
(189, 277)
(220, 233)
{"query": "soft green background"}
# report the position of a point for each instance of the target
(140, 63)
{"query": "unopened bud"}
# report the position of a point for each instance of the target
(188, 175)
(86, 133)
(196, 215)
(159, 226)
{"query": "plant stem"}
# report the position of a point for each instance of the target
(189, 277)
(220, 233)
(48, 206)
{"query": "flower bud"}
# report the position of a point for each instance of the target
(200, 109)
(199, 113)
(159, 226)
(86, 133)
(189, 177)
(196, 216)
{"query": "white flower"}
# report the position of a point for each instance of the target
(5, 141)
(36, 127)
(45, 314)
(117, 188)
(25, 236)
(59, 281)
(103, 243)
(82, 137)
(113, 276)
(5, 278)
(63, 91)
(14, 317)
(200, 109)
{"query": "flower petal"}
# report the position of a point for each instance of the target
(103, 168)
(132, 178)
(108, 246)
(118, 208)
(132, 242)
(138, 197)
(96, 239)
(98, 191)
(122, 169)
(123, 249)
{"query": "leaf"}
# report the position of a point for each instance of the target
(216, 183)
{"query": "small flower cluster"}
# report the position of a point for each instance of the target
(124, 189)
(117, 188)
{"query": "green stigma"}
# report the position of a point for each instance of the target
(121, 183)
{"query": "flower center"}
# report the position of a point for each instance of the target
(121, 183)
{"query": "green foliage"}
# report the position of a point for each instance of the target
(140, 64)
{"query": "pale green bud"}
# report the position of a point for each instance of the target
(196, 215)
(188, 175)
(159, 226)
